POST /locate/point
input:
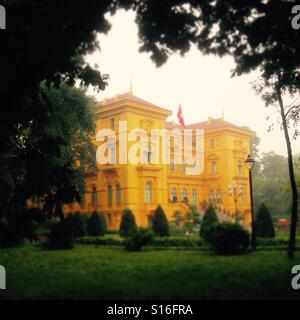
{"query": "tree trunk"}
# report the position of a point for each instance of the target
(294, 218)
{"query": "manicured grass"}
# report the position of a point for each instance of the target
(90, 272)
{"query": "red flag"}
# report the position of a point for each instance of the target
(179, 116)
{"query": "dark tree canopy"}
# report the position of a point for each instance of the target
(45, 40)
(258, 34)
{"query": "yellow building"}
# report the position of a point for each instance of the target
(143, 186)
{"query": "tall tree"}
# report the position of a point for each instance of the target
(54, 152)
(272, 90)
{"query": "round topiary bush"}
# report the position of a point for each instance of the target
(138, 240)
(228, 238)
(96, 225)
(128, 224)
(264, 226)
(160, 225)
(209, 218)
(61, 237)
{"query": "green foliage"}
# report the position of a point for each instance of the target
(61, 237)
(192, 219)
(11, 234)
(77, 224)
(176, 242)
(128, 223)
(228, 238)
(155, 242)
(264, 226)
(96, 225)
(160, 225)
(17, 227)
(57, 140)
(178, 218)
(138, 239)
(271, 184)
(209, 218)
(100, 241)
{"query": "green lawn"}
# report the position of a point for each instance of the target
(90, 272)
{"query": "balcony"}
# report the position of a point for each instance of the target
(110, 167)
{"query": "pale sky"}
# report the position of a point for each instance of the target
(201, 84)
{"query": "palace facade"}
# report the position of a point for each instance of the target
(143, 186)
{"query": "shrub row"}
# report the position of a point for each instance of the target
(155, 242)
(100, 241)
(76, 225)
(173, 242)
(265, 242)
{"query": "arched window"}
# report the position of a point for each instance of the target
(118, 194)
(174, 195)
(82, 200)
(148, 192)
(109, 195)
(242, 195)
(214, 167)
(184, 195)
(211, 196)
(194, 197)
(183, 168)
(173, 166)
(94, 196)
(240, 167)
(219, 196)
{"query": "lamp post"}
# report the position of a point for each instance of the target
(249, 163)
(235, 191)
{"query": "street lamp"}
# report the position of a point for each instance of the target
(249, 163)
(235, 191)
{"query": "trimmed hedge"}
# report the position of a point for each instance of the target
(96, 224)
(176, 242)
(156, 242)
(128, 223)
(210, 217)
(100, 241)
(228, 238)
(138, 240)
(160, 225)
(264, 226)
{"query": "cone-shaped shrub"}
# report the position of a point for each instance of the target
(264, 226)
(96, 225)
(209, 218)
(128, 224)
(160, 225)
(78, 225)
